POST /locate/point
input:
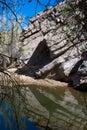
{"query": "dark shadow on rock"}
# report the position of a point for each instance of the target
(78, 75)
(40, 58)
(73, 77)
(41, 55)
(82, 87)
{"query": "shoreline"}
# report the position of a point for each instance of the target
(26, 80)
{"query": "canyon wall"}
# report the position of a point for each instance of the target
(54, 40)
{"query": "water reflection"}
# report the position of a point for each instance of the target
(49, 109)
(57, 109)
(8, 122)
(11, 110)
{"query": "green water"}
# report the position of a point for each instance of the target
(50, 109)
(57, 109)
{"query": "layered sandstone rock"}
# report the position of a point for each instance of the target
(54, 40)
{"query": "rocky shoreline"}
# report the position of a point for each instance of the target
(26, 80)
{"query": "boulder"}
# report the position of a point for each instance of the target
(78, 74)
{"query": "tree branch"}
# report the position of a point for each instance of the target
(4, 3)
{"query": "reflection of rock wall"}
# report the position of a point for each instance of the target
(62, 28)
(55, 109)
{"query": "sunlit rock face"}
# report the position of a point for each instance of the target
(62, 29)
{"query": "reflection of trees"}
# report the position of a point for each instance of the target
(16, 103)
(11, 97)
(16, 100)
(13, 101)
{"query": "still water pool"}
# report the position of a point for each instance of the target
(36, 108)
(10, 119)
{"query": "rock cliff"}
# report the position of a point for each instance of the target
(54, 41)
